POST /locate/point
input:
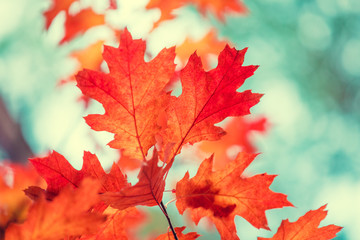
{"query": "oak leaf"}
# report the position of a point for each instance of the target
(306, 227)
(131, 94)
(67, 215)
(238, 133)
(223, 194)
(58, 173)
(148, 191)
(181, 236)
(207, 98)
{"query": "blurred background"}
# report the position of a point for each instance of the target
(309, 57)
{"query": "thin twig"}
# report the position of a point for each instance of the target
(162, 206)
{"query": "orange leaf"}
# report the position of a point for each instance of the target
(238, 132)
(206, 46)
(208, 98)
(110, 182)
(90, 57)
(14, 204)
(77, 24)
(306, 227)
(148, 191)
(166, 8)
(119, 225)
(131, 94)
(58, 173)
(221, 195)
(67, 215)
(127, 163)
(180, 235)
(220, 7)
(56, 7)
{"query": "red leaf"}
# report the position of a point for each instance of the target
(148, 191)
(208, 98)
(58, 173)
(221, 195)
(67, 215)
(111, 182)
(77, 24)
(306, 227)
(113, 4)
(131, 94)
(181, 236)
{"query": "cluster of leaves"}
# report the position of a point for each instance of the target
(79, 22)
(150, 127)
(218, 7)
(92, 204)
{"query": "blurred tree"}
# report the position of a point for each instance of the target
(12, 140)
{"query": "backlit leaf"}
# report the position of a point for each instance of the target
(58, 173)
(67, 215)
(148, 191)
(208, 98)
(306, 227)
(132, 94)
(224, 194)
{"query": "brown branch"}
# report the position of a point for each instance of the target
(12, 140)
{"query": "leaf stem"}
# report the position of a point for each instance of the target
(169, 190)
(162, 206)
(173, 200)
